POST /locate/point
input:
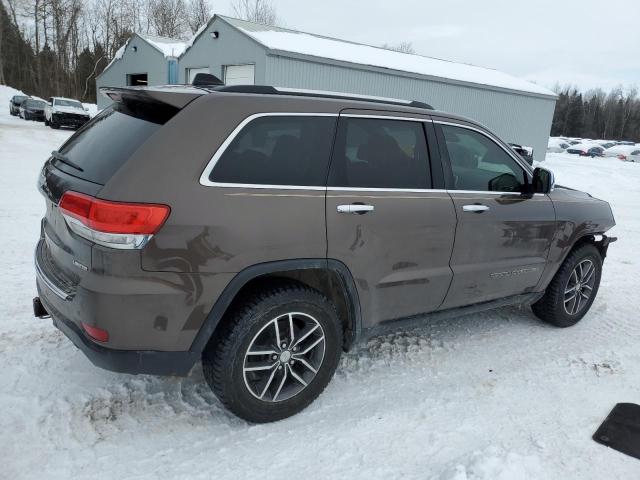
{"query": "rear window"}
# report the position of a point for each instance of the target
(67, 103)
(278, 150)
(104, 144)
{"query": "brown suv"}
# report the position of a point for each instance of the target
(266, 231)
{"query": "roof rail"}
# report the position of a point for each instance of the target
(269, 90)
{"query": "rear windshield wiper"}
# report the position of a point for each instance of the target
(62, 158)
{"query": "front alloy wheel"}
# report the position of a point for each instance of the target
(579, 287)
(573, 289)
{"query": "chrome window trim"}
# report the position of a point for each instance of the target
(373, 189)
(204, 177)
(527, 168)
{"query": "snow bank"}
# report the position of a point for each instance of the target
(492, 396)
(276, 38)
(6, 93)
(497, 464)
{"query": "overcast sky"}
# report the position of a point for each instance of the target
(587, 43)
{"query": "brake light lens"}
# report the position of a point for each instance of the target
(112, 224)
(96, 333)
(622, 157)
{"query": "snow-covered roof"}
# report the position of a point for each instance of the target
(169, 47)
(286, 40)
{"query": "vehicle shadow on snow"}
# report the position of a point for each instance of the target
(189, 400)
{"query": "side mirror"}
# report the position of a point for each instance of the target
(543, 180)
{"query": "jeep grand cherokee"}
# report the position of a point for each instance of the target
(264, 232)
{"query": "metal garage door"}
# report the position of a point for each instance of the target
(192, 72)
(239, 75)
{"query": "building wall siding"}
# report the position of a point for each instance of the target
(145, 60)
(514, 117)
(230, 48)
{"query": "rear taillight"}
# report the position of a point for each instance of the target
(96, 333)
(622, 157)
(112, 224)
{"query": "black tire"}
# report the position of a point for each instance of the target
(224, 358)
(54, 125)
(46, 122)
(551, 307)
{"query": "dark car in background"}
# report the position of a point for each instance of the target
(586, 150)
(32, 109)
(15, 102)
(525, 152)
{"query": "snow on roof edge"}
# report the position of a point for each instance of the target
(318, 46)
(169, 47)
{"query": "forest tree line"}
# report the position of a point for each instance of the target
(58, 47)
(596, 114)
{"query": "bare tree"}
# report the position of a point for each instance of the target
(198, 14)
(167, 17)
(403, 47)
(258, 11)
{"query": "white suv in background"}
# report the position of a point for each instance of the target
(61, 111)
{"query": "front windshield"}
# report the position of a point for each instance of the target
(35, 103)
(68, 103)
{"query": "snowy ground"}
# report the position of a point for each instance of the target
(490, 396)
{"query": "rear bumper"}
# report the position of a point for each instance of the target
(123, 361)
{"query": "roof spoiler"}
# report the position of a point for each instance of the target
(206, 80)
(177, 97)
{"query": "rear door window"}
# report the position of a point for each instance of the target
(380, 153)
(104, 144)
(278, 150)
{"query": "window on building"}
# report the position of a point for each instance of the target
(137, 79)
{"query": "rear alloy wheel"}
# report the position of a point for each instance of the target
(278, 365)
(573, 289)
(275, 353)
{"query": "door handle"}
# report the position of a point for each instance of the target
(475, 208)
(357, 208)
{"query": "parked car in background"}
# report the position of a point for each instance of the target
(33, 109)
(606, 143)
(557, 145)
(628, 153)
(328, 228)
(66, 112)
(586, 150)
(525, 152)
(15, 102)
(574, 141)
(625, 142)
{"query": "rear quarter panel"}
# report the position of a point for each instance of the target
(219, 229)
